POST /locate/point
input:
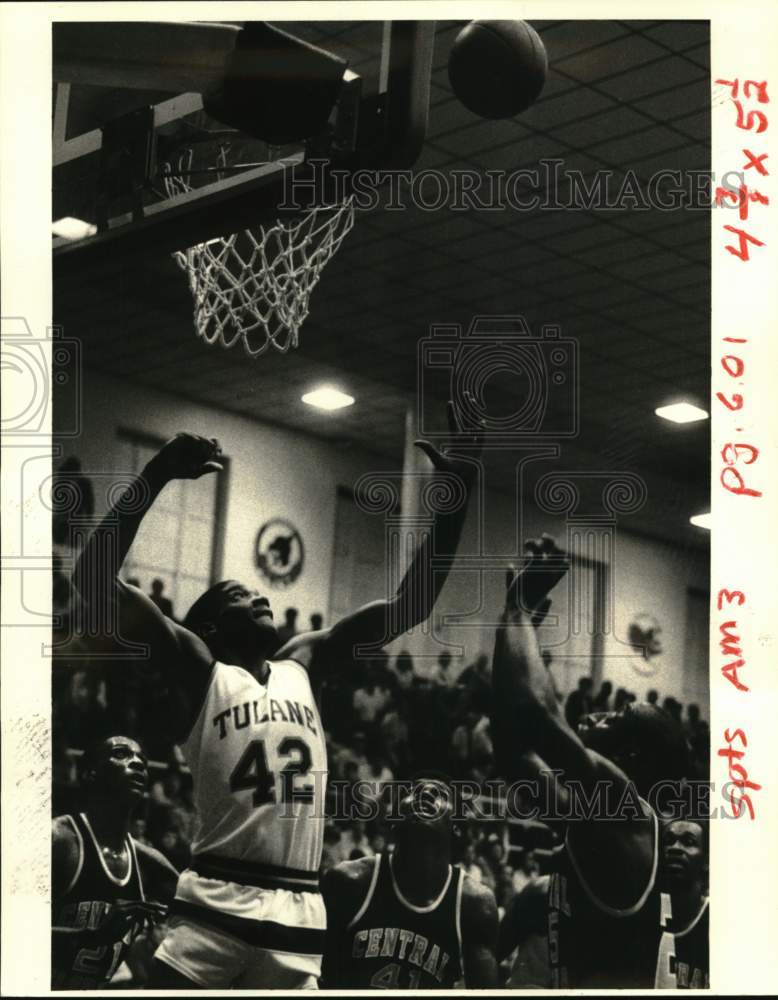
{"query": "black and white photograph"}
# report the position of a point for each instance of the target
(372, 450)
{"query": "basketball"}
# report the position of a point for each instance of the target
(497, 68)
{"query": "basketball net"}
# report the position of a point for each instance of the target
(255, 286)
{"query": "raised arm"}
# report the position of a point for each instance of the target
(617, 856)
(526, 716)
(114, 610)
(380, 622)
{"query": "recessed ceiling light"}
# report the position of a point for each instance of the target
(681, 413)
(72, 229)
(702, 521)
(328, 398)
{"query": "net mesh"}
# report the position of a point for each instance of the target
(255, 286)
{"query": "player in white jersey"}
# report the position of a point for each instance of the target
(248, 912)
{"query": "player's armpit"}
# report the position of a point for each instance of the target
(479, 936)
(330, 649)
(373, 624)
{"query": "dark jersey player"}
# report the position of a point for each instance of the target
(603, 896)
(410, 919)
(683, 959)
(105, 886)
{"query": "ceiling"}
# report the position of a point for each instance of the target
(632, 288)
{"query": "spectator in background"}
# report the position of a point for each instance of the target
(403, 668)
(602, 703)
(169, 808)
(673, 708)
(528, 870)
(469, 865)
(376, 773)
(316, 622)
(138, 831)
(462, 743)
(289, 628)
(620, 699)
(700, 746)
(652, 697)
(351, 756)
(482, 750)
(490, 860)
(692, 724)
(495, 854)
(370, 701)
(579, 702)
(393, 734)
(505, 890)
(441, 675)
(350, 801)
(477, 679)
(164, 604)
(75, 489)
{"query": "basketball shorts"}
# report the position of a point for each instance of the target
(224, 935)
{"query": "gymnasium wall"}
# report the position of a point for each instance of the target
(279, 473)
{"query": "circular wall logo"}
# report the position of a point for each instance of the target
(643, 634)
(278, 552)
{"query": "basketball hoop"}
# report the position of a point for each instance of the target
(255, 286)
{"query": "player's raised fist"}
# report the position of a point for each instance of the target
(186, 456)
(544, 566)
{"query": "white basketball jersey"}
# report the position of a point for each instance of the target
(259, 767)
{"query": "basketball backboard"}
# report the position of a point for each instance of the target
(133, 107)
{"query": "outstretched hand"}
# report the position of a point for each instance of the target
(187, 456)
(449, 461)
(527, 589)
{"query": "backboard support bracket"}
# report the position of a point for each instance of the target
(127, 164)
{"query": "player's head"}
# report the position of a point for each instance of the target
(643, 740)
(233, 620)
(115, 768)
(684, 853)
(426, 813)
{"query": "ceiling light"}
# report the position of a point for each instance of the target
(72, 229)
(702, 521)
(327, 398)
(681, 413)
